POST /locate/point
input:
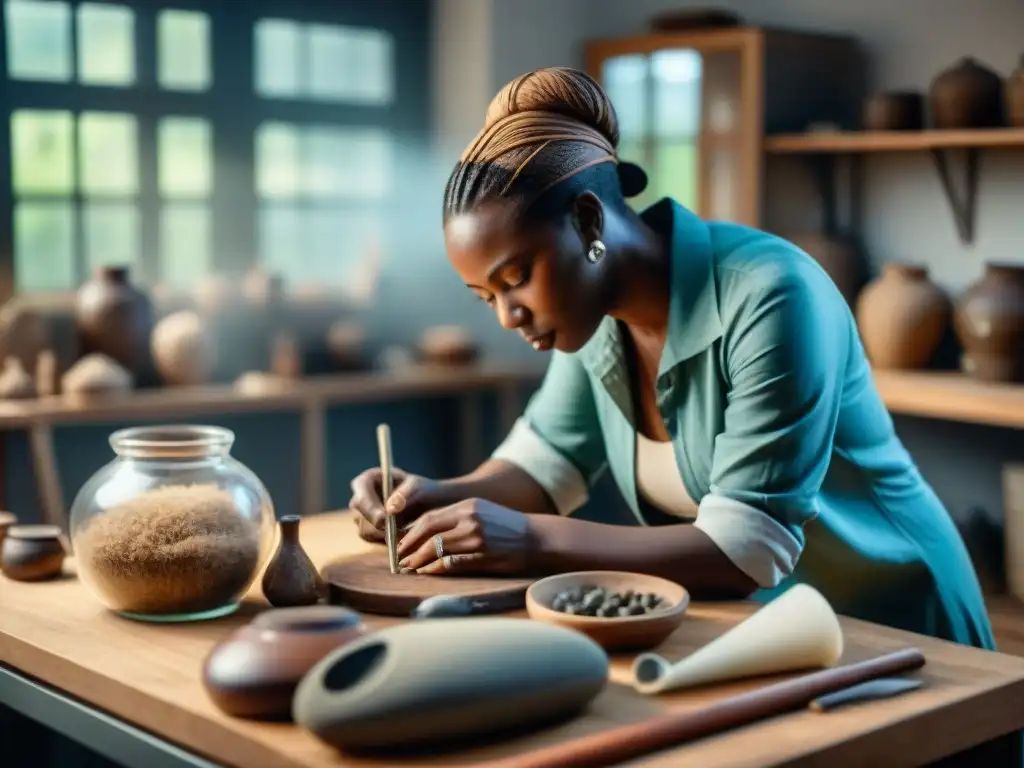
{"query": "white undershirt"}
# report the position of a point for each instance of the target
(658, 479)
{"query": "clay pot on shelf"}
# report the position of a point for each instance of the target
(902, 317)
(840, 258)
(95, 375)
(347, 343)
(447, 345)
(990, 324)
(291, 579)
(32, 552)
(15, 381)
(967, 95)
(183, 349)
(24, 333)
(254, 671)
(1015, 96)
(114, 318)
(895, 111)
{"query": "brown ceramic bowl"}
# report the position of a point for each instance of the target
(619, 633)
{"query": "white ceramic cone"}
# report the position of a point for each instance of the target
(797, 630)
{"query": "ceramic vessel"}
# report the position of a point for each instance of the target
(613, 634)
(347, 343)
(15, 381)
(447, 345)
(455, 674)
(291, 579)
(990, 324)
(254, 671)
(895, 111)
(967, 95)
(7, 519)
(840, 258)
(32, 552)
(182, 349)
(114, 318)
(24, 332)
(1015, 96)
(174, 528)
(902, 317)
(96, 375)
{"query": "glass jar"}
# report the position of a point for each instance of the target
(174, 528)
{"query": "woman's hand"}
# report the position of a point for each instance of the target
(471, 536)
(412, 496)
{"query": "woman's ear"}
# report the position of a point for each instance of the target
(588, 213)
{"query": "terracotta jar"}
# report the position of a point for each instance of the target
(990, 324)
(114, 318)
(902, 317)
(967, 95)
(1015, 96)
(291, 579)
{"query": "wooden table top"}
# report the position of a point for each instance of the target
(149, 675)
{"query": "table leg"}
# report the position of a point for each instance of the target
(313, 458)
(44, 460)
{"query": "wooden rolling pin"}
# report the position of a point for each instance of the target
(631, 741)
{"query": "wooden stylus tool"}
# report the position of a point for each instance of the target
(386, 487)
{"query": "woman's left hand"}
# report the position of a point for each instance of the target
(472, 536)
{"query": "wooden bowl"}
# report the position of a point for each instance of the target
(619, 633)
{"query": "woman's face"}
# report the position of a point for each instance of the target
(537, 279)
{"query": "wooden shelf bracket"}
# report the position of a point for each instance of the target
(963, 207)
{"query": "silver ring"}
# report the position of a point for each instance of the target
(439, 546)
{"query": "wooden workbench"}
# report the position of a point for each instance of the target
(58, 636)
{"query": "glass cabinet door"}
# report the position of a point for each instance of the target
(679, 119)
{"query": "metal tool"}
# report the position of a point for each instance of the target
(881, 688)
(386, 487)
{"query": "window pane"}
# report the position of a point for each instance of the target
(38, 40)
(111, 235)
(185, 240)
(349, 64)
(338, 245)
(42, 152)
(346, 162)
(677, 93)
(281, 240)
(108, 153)
(625, 81)
(184, 157)
(277, 48)
(106, 44)
(44, 247)
(183, 50)
(675, 173)
(277, 160)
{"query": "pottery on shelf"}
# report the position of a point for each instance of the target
(967, 95)
(96, 375)
(902, 317)
(7, 519)
(839, 257)
(448, 345)
(291, 579)
(114, 318)
(893, 111)
(32, 552)
(347, 342)
(24, 333)
(990, 324)
(182, 349)
(455, 675)
(15, 381)
(1015, 96)
(254, 671)
(286, 357)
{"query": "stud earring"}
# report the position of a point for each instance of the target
(596, 252)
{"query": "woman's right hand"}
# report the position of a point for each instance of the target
(412, 496)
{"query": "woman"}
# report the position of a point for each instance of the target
(714, 369)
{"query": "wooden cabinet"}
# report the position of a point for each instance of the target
(694, 107)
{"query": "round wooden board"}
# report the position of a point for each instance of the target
(365, 583)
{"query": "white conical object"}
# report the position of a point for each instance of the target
(797, 630)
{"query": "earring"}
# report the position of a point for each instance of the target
(596, 252)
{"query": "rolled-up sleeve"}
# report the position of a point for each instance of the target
(786, 352)
(558, 440)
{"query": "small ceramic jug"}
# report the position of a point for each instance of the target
(291, 579)
(32, 552)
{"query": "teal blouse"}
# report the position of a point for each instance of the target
(778, 433)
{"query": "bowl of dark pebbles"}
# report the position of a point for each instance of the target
(620, 611)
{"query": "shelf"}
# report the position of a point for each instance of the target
(857, 142)
(317, 391)
(952, 396)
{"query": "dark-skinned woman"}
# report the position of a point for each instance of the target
(714, 369)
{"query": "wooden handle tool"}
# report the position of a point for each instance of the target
(387, 487)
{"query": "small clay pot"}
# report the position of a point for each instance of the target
(967, 95)
(448, 346)
(895, 111)
(902, 317)
(291, 579)
(7, 519)
(1015, 96)
(32, 552)
(114, 318)
(253, 673)
(990, 324)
